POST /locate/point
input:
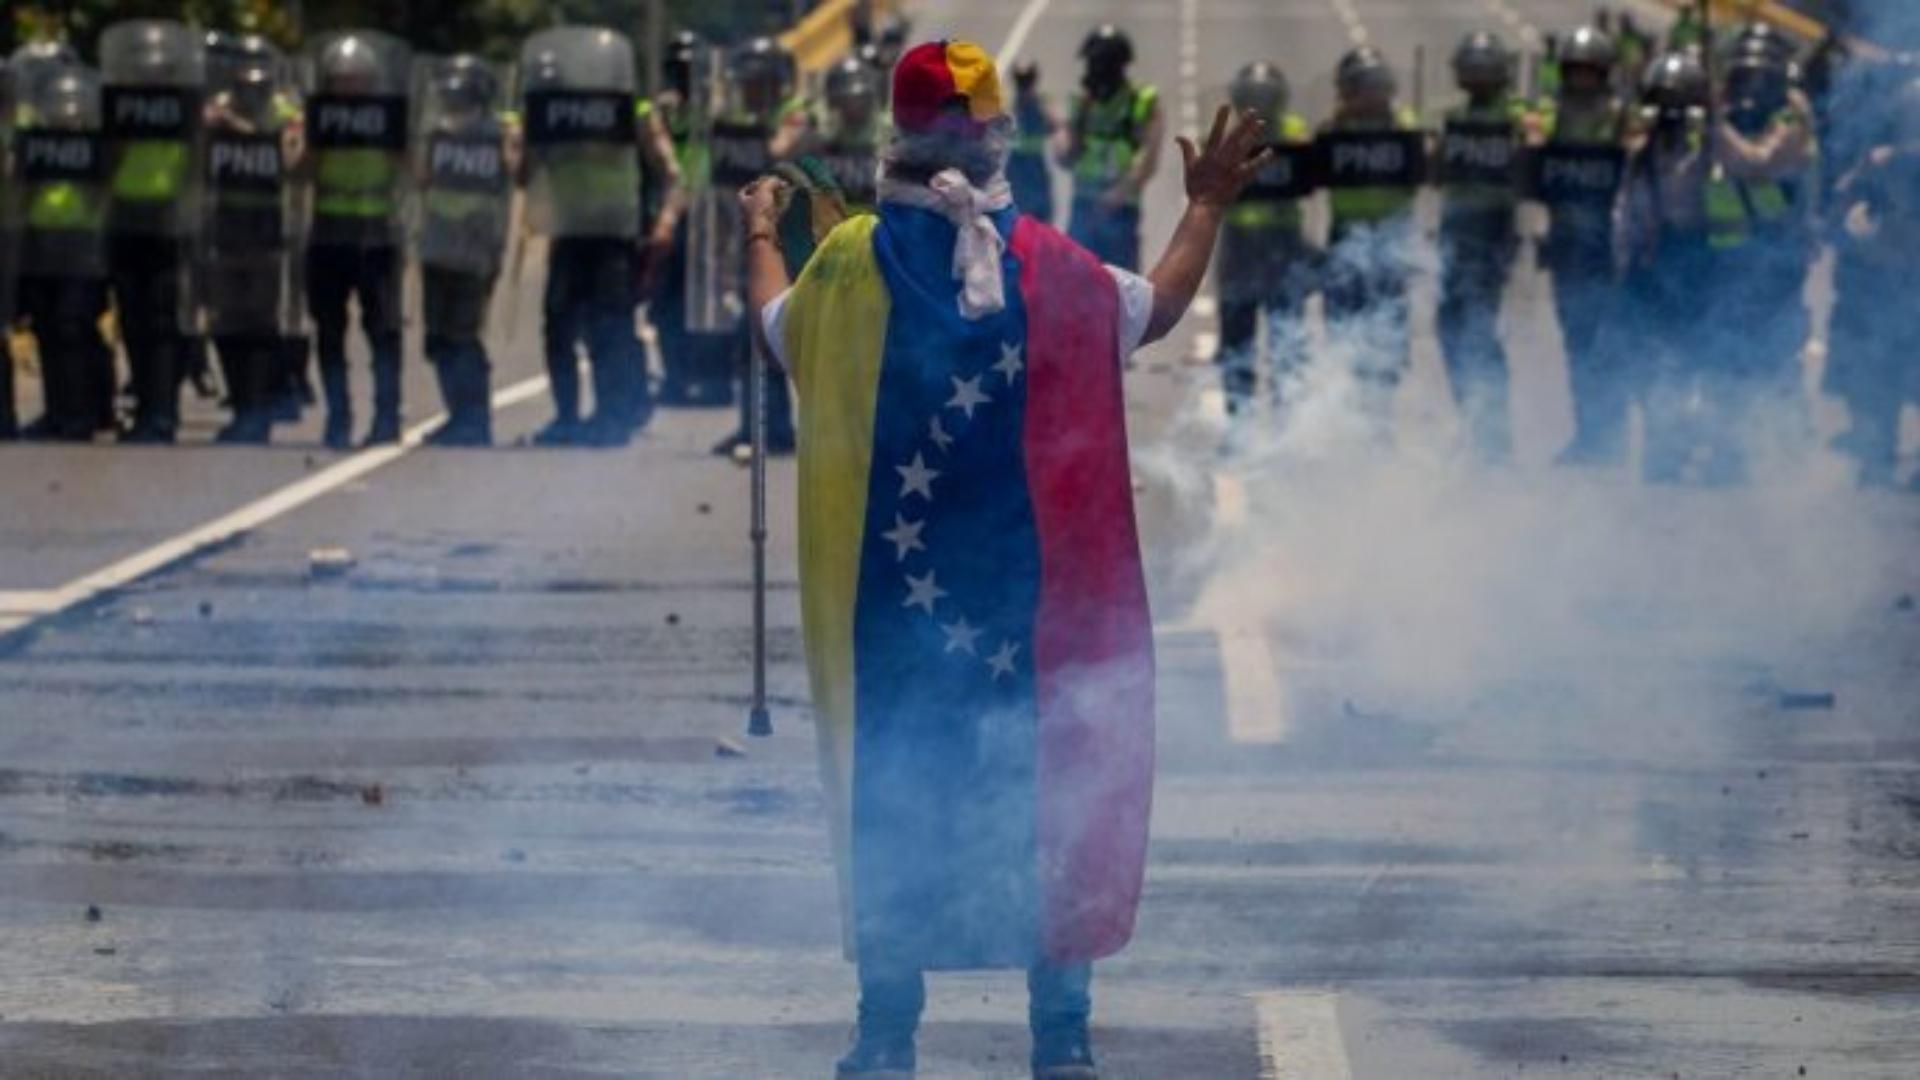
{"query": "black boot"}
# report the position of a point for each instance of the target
(157, 387)
(1064, 1053)
(333, 384)
(386, 394)
(249, 369)
(878, 1056)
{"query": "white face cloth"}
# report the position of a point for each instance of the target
(978, 246)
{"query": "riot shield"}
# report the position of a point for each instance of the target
(738, 150)
(244, 255)
(583, 152)
(1479, 154)
(55, 205)
(356, 133)
(153, 72)
(460, 158)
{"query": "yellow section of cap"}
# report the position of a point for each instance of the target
(975, 77)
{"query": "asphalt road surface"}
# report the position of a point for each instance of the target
(1464, 773)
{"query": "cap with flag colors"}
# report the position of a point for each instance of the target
(946, 83)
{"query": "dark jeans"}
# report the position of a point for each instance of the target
(147, 281)
(372, 275)
(1058, 998)
(76, 364)
(590, 298)
(1585, 294)
(1478, 251)
(1112, 235)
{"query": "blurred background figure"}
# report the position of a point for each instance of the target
(1479, 237)
(1369, 243)
(355, 161)
(154, 71)
(245, 253)
(1111, 144)
(1578, 250)
(465, 158)
(1264, 267)
(1035, 126)
(693, 372)
(56, 208)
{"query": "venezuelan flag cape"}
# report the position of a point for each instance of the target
(975, 613)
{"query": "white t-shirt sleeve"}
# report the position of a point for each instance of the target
(774, 318)
(1136, 309)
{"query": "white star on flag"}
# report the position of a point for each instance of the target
(1002, 661)
(961, 636)
(1009, 364)
(905, 535)
(967, 395)
(938, 434)
(916, 477)
(923, 593)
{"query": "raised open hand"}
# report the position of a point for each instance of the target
(1217, 174)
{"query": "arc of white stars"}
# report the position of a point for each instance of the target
(967, 395)
(1001, 663)
(1010, 363)
(923, 592)
(961, 636)
(915, 477)
(905, 537)
(938, 433)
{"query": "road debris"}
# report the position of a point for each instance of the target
(373, 795)
(329, 562)
(1818, 699)
(206, 609)
(724, 747)
(673, 618)
(143, 616)
(93, 913)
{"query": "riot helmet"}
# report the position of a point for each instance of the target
(1482, 64)
(762, 71)
(1762, 36)
(677, 66)
(1262, 88)
(69, 101)
(1757, 83)
(1588, 49)
(1365, 79)
(350, 67)
(851, 92)
(1026, 75)
(1106, 52)
(1675, 86)
(466, 85)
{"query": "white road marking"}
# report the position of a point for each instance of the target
(1256, 703)
(1017, 37)
(1300, 1036)
(251, 516)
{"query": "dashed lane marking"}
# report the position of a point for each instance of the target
(1022, 26)
(1300, 1036)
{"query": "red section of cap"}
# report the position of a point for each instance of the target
(923, 88)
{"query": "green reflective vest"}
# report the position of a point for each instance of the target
(65, 206)
(150, 171)
(1112, 132)
(355, 182)
(1268, 215)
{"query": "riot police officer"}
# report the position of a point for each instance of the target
(1479, 237)
(1369, 238)
(465, 164)
(1111, 144)
(584, 194)
(848, 138)
(1760, 201)
(245, 231)
(1587, 124)
(693, 371)
(56, 215)
(153, 72)
(1873, 339)
(764, 111)
(1668, 258)
(356, 136)
(1034, 129)
(1264, 267)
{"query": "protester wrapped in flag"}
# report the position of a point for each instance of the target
(973, 602)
